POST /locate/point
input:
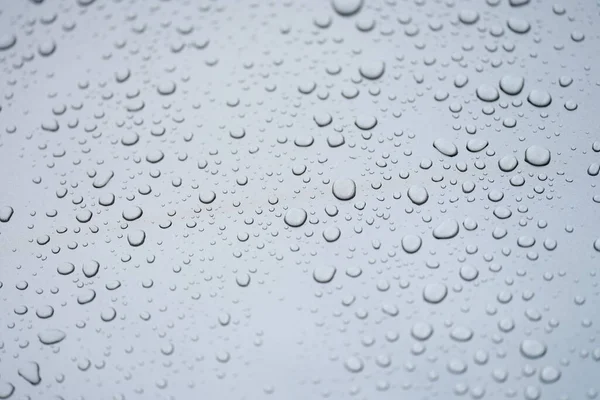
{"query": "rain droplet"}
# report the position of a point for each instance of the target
(537, 156)
(324, 274)
(435, 292)
(344, 189)
(295, 217)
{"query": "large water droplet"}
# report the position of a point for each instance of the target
(344, 189)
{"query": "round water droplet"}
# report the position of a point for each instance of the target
(136, 238)
(344, 189)
(347, 8)
(365, 122)
(445, 147)
(322, 119)
(411, 243)
(532, 349)
(539, 98)
(549, 374)
(446, 230)
(511, 84)
(421, 331)
(132, 213)
(537, 156)
(518, 25)
(468, 17)
(295, 217)
(418, 194)
(508, 163)
(487, 93)
(7, 40)
(324, 274)
(331, 234)
(435, 292)
(468, 272)
(372, 69)
(207, 196)
(354, 364)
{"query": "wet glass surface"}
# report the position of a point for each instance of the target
(347, 199)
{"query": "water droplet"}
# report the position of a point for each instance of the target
(7, 40)
(418, 195)
(347, 8)
(324, 274)
(51, 336)
(537, 156)
(344, 189)
(30, 371)
(372, 69)
(295, 217)
(421, 331)
(6, 213)
(354, 364)
(532, 348)
(446, 230)
(511, 84)
(365, 122)
(539, 98)
(411, 243)
(435, 292)
(487, 93)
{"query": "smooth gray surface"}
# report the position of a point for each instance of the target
(330, 203)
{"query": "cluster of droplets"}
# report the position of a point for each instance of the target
(400, 197)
